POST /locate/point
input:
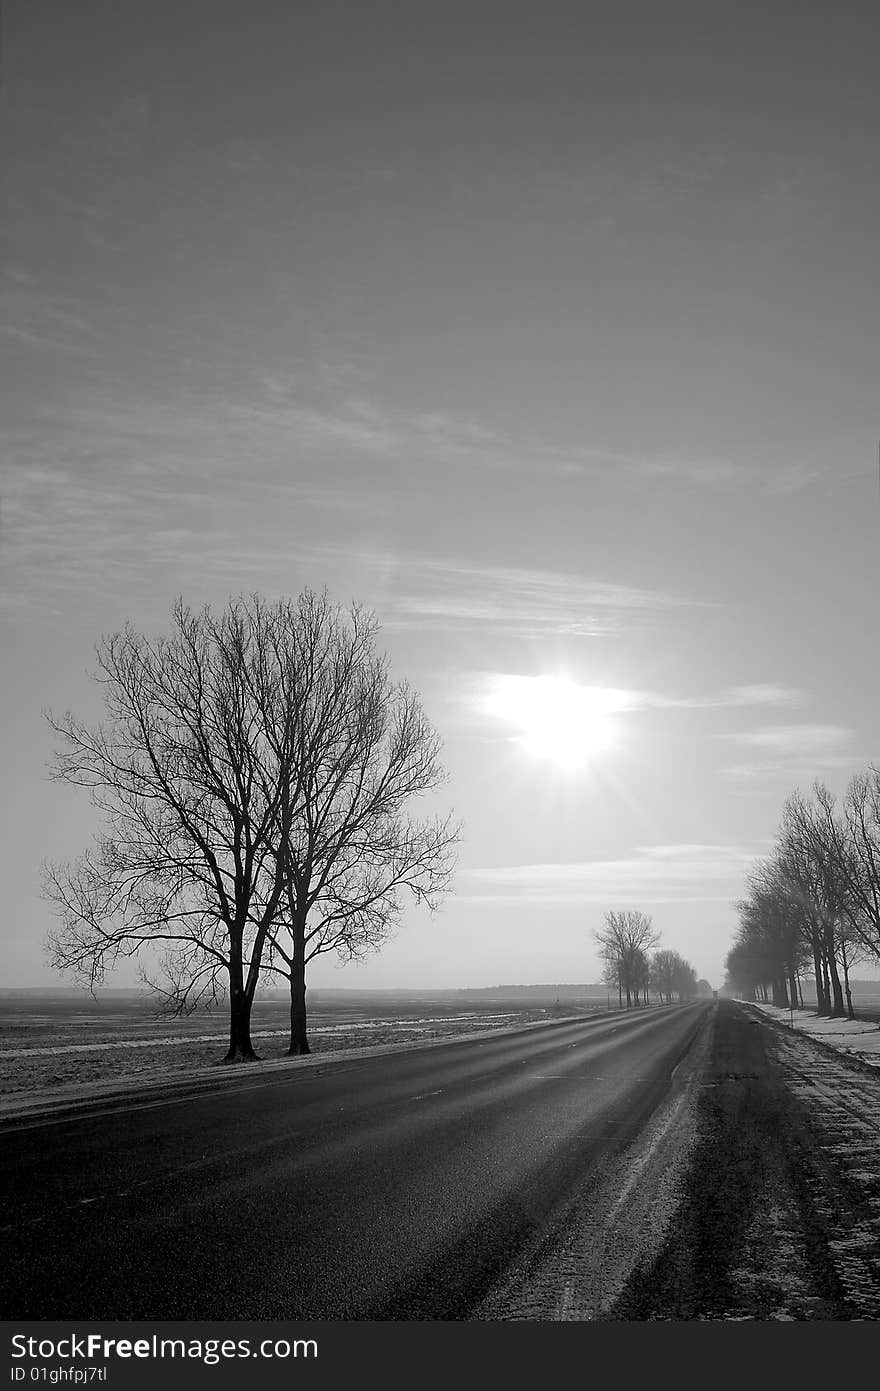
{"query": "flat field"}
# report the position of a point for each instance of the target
(60, 1039)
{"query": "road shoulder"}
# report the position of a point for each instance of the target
(781, 1212)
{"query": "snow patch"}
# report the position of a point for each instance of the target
(858, 1037)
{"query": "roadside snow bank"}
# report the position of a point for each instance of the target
(858, 1037)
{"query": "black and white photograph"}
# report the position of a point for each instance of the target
(439, 535)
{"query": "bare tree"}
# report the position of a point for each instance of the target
(213, 764)
(640, 973)
(685, 980)
(811, 897)
(816, 877)
(663, 973)
(776, 919)
(847, 839)
(745, 970)
(625, 938)
(672, 975)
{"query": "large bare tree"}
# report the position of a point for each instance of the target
(226, 746)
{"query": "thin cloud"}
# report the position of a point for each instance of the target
(765, 474)
(527, 602)
(794, 740)
(731, 698)
(797, 752)
(678, 872)
(372, 426)
(367, 425)
(763, 694)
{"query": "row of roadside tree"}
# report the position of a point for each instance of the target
(631, 966)
(812, 906)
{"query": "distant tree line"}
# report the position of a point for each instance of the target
(254, 772)
(813, 904)
(626, 940)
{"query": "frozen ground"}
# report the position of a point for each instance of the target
(51, 1062)
(860, 1038)
(410, 1027)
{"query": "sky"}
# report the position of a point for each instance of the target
(549, 332)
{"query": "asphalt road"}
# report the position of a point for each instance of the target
(399, 1186)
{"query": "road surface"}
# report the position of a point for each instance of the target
(400, 1186)
(694, 1162)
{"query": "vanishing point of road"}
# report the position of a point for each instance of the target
(619, 1166)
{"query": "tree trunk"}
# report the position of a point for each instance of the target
(299, 1041)
(837, 989)
(821, 990)
(241, 1049)
(850, 1013)
(792, 988)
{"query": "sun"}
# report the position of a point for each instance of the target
(556, 719)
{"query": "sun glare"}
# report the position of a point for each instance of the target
(558, 720)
